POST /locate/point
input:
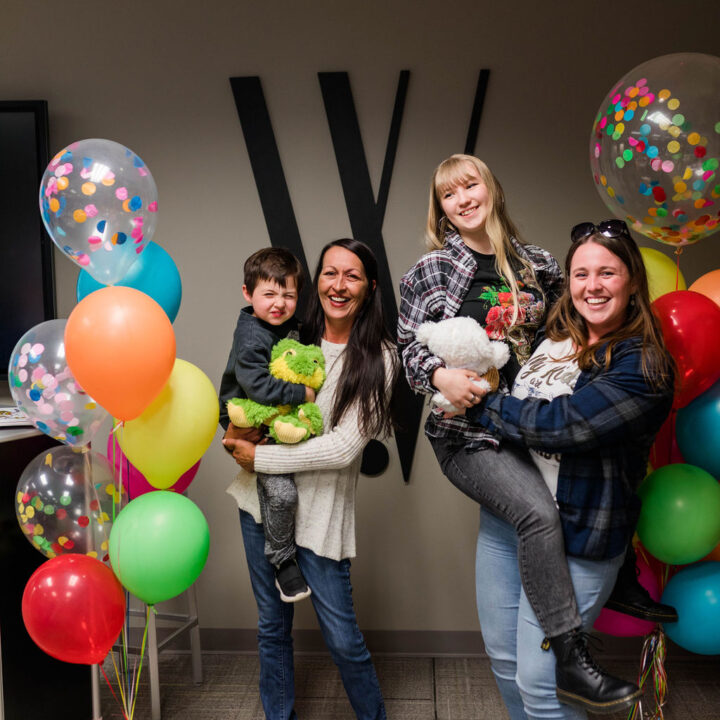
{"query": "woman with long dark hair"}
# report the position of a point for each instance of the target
(345, 318)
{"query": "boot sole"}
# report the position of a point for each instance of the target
(292, 598)
(597, 707)
(634, 611)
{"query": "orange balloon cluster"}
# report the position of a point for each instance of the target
(120, 346)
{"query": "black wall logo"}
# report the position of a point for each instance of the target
(366, 212)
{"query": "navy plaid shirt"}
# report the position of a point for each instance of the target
(433, 290)
(604, 431)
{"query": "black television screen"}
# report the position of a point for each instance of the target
(27, 287)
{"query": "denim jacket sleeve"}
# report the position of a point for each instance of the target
(608, 406)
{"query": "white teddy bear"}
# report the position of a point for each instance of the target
(462, 343)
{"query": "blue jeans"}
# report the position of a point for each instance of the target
(331, 596)
(525, 673)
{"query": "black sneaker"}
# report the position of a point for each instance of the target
(631, 598)
(290, 582)
(583, 683)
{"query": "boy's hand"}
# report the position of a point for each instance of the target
(242, 451)
(253, 435)
(309, 394)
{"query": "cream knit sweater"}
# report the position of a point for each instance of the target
(326, 471)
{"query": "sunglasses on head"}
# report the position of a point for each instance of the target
(609, 228)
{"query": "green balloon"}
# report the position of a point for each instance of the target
(158, 545)
(680, 517)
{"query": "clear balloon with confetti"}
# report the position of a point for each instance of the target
(98, 201)
(43, 386)
(655, 148)
(66, 500)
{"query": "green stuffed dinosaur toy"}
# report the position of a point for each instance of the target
(296, 363)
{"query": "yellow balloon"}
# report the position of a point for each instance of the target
(662, 273)
(174, 431)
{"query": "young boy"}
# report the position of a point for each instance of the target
(272, 280)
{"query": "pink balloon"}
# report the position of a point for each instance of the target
(134, 480)
(618, 624)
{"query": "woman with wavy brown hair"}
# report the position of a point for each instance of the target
(587, 406)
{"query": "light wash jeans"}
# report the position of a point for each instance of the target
(525, 673)
(332, 600)
(508, 483)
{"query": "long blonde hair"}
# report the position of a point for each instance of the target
(500, 228)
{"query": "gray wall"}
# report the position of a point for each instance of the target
(154, 76)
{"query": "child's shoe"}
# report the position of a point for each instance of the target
(290, 582)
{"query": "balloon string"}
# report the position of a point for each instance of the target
(136, 681)
(125, 638)
(107, 680)
(652, 664)
(678, 253)
(117, 449)
(119, 681)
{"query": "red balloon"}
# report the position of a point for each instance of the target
(691, 328)
(74, 607)
(135, 481)
(665, 450)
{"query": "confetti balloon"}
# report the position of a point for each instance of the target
(655, 148)
(44, 387)
(98, 201)
(73, 608)
(65, 502)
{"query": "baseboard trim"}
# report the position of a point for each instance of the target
(416, 643)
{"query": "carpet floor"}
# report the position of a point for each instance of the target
(415, 688)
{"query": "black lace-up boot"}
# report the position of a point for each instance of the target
(630, 597)
(582, 682)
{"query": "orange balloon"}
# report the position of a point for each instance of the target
(708, 285)
(120, 346)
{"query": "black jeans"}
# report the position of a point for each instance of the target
(507, 483)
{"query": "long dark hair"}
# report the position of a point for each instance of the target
(364, 376)
(564, 320)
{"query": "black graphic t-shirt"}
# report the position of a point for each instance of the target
(489, 302)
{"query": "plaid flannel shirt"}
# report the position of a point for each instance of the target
(433, 290)
(604, 431)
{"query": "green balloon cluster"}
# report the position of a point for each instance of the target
(158, 545)
(680, 518)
